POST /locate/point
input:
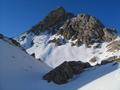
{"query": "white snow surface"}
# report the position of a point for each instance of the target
(55, 55)
(19, 71)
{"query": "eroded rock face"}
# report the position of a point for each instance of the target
(87, 30)
(114, 46)
(109, 34)
(58, 41)
(78, 66)
(64, 72)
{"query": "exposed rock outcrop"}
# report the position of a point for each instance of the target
(109, 34)
(1, 36)
(64, 72)
(87, 30)
(93, 60)
(15, 42)
(106, 62)
(57, 41)
(114, 46)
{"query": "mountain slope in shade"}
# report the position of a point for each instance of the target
(19, 71)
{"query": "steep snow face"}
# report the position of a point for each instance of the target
(18, 70)
(55, 55)
(109, 81)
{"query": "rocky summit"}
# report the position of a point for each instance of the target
(52, 21)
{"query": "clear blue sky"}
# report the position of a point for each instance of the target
(17, 16)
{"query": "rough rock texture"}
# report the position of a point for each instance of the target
(87, 30)
(93, 60)
(58, 41)
(114, 46)
(78, 66)
(64, 72)
(97, 46)
(52, 21)
(109, 34)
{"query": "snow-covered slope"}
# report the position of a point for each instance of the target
(19, 71)
(55, 55)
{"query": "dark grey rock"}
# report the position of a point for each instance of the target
(58, 41)
(60, 74)
(15, 42)
(106, 62)
(64, 72)
(1, 36)
(33, 55)
(52, 22)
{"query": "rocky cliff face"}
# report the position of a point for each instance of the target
(86, 30)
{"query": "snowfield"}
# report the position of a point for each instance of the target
(19, 71)
(55, 55)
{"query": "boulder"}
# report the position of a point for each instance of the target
(93, 60)
(60, 74)
(64, 72)
(78, 66)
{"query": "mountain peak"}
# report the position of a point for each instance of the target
(53, 20)
(59, 9)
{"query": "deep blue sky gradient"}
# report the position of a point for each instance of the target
(17, 16)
